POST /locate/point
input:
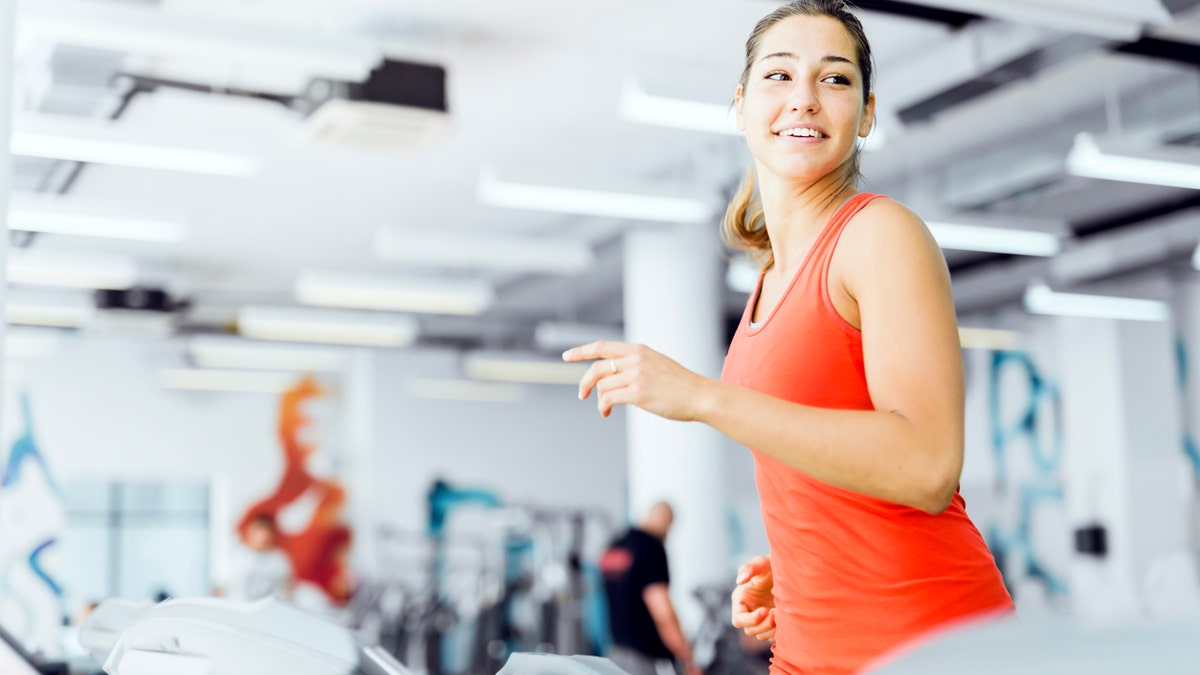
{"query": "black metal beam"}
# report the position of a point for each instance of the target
(1089, 228)
(911, 10)
(1187, 53)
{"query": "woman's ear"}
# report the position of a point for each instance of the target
(868, 122)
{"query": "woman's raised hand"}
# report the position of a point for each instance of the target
(629, 374)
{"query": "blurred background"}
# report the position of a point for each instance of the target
(307, 267)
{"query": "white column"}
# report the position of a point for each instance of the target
(1123, 465)
(673, 305)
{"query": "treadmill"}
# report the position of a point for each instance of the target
(216, 636)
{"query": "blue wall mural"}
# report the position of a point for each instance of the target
(34, 507)
(1182, 365)
(1034, 426)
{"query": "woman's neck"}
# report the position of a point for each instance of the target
(795, 213)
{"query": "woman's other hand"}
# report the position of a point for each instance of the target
(753, 602)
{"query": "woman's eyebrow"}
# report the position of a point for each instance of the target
(828, 58)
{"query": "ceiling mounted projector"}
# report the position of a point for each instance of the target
(400, 107)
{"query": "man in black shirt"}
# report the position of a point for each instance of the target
(645, 629)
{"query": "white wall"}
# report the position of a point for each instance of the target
(102, 415)
(1122, 465)
(550, 450)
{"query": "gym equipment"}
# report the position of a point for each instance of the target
(469, 592)
(1045, 647)
(223, 637)
(718, 647)
(550, 664)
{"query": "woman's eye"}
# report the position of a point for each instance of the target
(777, 76)
(837, 79)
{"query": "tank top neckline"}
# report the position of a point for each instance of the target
(754, 327)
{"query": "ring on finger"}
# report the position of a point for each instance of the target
(612, 365)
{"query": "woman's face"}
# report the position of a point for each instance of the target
(802, 106)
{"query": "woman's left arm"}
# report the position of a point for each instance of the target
(909, 449)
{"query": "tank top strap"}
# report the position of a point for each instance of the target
(825, 246)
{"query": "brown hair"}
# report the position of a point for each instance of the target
(744, 226)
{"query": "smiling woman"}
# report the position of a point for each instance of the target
(844, 376)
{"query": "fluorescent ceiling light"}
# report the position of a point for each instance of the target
(293, 324)
(71, 269)
(475, 250)
(396, 293)
(55, 214)
(82, 140)
(466, 390)
(1039, 299)
(560, 335)
(226, 380)
(494, 192)
(40, 308)
(987, 338)
(635, 105)
(741, 276)
(995, 239)
(1165, 166)
(210, 351)
(509, 367)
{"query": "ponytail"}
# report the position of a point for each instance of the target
(744, 228)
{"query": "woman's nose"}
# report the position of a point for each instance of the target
(803, 98)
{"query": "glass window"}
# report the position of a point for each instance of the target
(135, 541)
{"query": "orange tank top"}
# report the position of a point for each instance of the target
(854, 575)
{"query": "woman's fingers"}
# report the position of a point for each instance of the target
(602, 349)
(657, 384)
(613, 390)
(606, 356)
(746, 619)
(592, 377)
(756, 566)
(764, 627)
(758, 624)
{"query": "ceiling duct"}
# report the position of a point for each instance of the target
(400, 107)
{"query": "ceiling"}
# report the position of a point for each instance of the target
(980, 101)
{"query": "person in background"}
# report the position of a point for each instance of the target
(645, 629)
(260, 568)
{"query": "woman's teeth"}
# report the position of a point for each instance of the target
(812, 133)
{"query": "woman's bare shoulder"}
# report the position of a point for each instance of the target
(884, 226)
(885, 243)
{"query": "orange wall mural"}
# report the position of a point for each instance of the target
(319, 552)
